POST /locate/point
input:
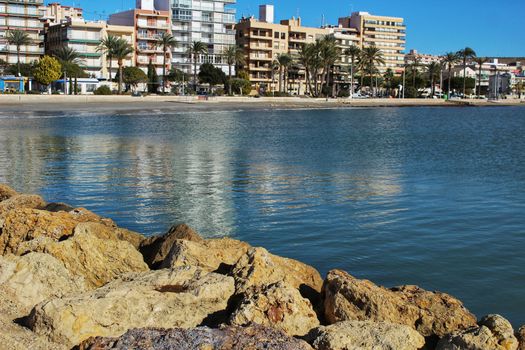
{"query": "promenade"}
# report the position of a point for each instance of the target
(30, 103)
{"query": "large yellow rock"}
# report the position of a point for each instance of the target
(6, 192)
(210, 254)
(277, 306)
(258, 268)
(93, 253)
(182, 297)
(22, 201)
(430, 313)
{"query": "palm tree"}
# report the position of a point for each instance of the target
(414, 69)
(196, 48)
(480, 62)
(434, 71)
(234, 56)
(353, 52)
(275, 68)
(329, 54)
(466, 53)
(389, 77)
(371, 57)
(121, 51)
(70, 61)
(166, 42)
(18, 38)
(285, 60)
(449, 60)
(107, 46)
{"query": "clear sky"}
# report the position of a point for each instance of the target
(492, 28)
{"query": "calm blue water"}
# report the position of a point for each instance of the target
(427, 196)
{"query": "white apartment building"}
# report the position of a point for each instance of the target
(208, 21)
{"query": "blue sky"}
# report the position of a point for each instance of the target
(491, 28)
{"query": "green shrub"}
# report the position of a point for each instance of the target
(103, 90)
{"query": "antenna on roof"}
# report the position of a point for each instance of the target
(322, 21)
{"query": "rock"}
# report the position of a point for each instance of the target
(277, 306)
(22, 201)
(23, 224)
(364, 335)
(521, 338)
(6, 192)
(227, 338)
(182, 297)
(493, 333)
(35, 277)
(156, 249)
(56, 207)
(258, 268)
(211, 255)
(94, 253)
(430, 313)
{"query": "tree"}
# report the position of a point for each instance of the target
(26, 69)
(285, 60)
(480, 61)
(353, 52)
(121, 51)
(153, 79)
(371, 57)
(69, 59)
(414, 70)
(449, 60)
(166, 42)
(108, 46)
(133, 76)
(47, 70)
(388, 78)
(209, 74)
(434, 72)
(234, 56)
(3, 66)
(329, 54)
(18, 38)
(465, 54)
(196, 48)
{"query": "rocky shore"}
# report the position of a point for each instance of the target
(70, 279)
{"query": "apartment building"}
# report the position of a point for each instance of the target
(422, 58)
(386, 33)
(150, 19)
(21, 15)
(207, 21)
(84, 37)
(55, 13)
(263, 41)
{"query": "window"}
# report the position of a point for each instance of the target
(283, 36)
(276, 35)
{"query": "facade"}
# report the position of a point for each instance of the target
(56, 13)
(21, 15)
(85, 37)
(386, 33)
(150, 20)
(424, 59)
(264, 41)
(208, 21)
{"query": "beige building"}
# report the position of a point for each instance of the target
(386, 33)
(21, 15)
(422, 58)
(55, 13)
(263, 41)
(84, 37)
(149, 23)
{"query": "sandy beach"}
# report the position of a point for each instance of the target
(10, 104)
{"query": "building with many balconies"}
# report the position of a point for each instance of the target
(207, 21)
(84, 37)
(386, 33)
(21, 15)
(150, 19)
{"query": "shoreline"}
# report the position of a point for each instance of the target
(96, 285)
(9, 104)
